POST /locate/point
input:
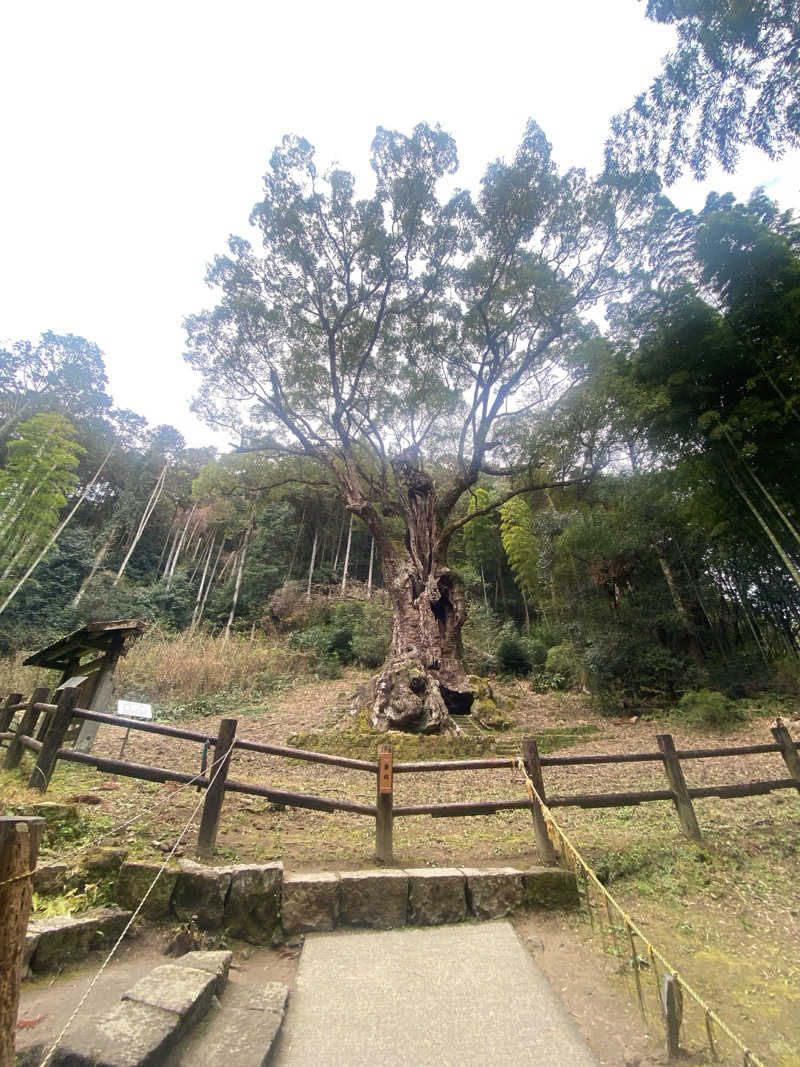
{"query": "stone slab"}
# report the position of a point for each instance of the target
(63, 939)
(493, 892)
(378, 899)
(133, 881)
(132, 1035)
(310, 902)
(436, 895)
(50, 878)
(454, 996)
(241, 1032)
(201, 892)
(216, 963)
(187, 991)
(253, 905)
(549, 887)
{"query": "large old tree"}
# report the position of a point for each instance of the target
(401, 343)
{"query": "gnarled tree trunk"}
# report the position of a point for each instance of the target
(423, 681)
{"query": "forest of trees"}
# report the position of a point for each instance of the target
(662, 554)
(547, 428)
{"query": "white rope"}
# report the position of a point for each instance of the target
(133, 917)
(108, 833)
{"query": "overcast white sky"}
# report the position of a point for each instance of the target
(134, 138)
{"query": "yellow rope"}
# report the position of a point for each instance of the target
(749, 1058)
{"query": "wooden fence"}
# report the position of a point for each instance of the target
(42, 728)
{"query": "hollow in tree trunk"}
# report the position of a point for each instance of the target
(423, 681)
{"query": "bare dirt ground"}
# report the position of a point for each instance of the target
(725, 913)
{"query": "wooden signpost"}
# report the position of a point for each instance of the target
(384, 817)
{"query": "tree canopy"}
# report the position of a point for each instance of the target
(732, 80)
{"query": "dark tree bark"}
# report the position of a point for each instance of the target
(423, 680)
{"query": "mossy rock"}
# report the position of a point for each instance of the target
(491, 713)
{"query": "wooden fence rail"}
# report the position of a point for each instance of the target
(48, 745)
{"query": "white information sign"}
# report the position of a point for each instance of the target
(129, 709)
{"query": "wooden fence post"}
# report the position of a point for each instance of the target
(544, 846)
(6, 715)
(54, 738)
(677, 783)
(788, 750)
(215, 794)
(533, 768)
(19, 848)
(26, 727)
(384, 814)
(672, 1008)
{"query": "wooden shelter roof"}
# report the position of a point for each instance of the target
(94, 637)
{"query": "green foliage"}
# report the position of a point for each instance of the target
(732, 80)
(352, 631)
(709, 708)
(520, 543)
(38, 477)
(513, 657)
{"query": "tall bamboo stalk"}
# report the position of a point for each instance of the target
(243, 552)
(149, 508)
(347, 555)
(52, 540)
(311, 565)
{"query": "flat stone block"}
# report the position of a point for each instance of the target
(132, 1035)
(133, 881)
(242, 1033)
(216, 963)
(201, 891)
(493, 892)
(378, 899)
(62, 939)
(272, 997)
(253, 907)
(436, 896)
(109, 924)
(103, 862)
(310, 902)
(31, 941)
(187, 991)
(549, 887)
(50, 879)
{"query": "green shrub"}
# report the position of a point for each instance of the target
(562, 666)
(512, 654)
(351, 631)
(708, 707)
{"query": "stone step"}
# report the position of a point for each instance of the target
(152, 1016)
(64, 939)
(241, 1028)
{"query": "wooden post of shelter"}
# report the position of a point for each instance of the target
(533, 768)
(788, 750)
(677, 783)
(6, 712)
(384, 807)
(89, 654)
(19, 848)
(54, 738)
(27, 725)
(215, 794)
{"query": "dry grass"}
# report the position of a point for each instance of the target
(178, 669)
(14, 678)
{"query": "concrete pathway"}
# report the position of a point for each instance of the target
(450, 995)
